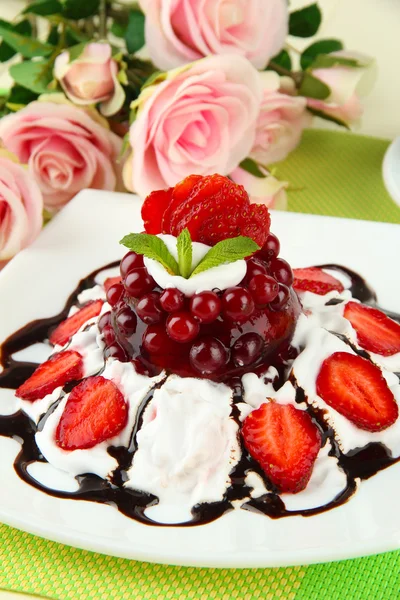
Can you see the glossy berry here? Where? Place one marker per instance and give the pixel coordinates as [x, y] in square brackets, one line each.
[148, 308]
[172, 300]
[206, 306]
[104, 320]
[182, 327]
[281, 271]
[281, 299]
[126, 321]
[138, 282]
[255, 267]
[115, 293]
[208, 355]
[115, 351]
[155, 339]
[264, 289]
[237, 304]
[270, 249]
[247, 349]
[108, 334]
[130, 262]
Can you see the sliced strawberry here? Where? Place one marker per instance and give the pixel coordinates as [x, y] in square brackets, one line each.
[315, 280]
[111, 281]
[285, 442]
[356, 389]
[375, 331]
[57, 371]
[95, 411]
[153, 209]
[181, 196]
[66, 329]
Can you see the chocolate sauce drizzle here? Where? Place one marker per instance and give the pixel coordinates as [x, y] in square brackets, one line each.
[360, 463]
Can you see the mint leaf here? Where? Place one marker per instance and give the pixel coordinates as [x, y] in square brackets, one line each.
[227, 251]
[184, 247]
[152, 247]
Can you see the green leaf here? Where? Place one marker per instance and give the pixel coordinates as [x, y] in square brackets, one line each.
[24, 27]
[73, 37]
[156, 77]
[134, 36]
[21, 95]
[76, 51]
[118, 29]
[331, 118]
[321, 47]
[27, 46]
[184, 247]
[283, 60]
[227, 251]
[152, 247]
[311, 87]
[327, 61]
[80, 9]
[53, 35]
[306, 21]
[249, 165]
[34, 76]
[43, 7]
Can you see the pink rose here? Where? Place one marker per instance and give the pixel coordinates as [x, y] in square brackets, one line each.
[200, 120]
[21, 207]
[65, 148]
[262, 190]
[347, 84]
[180, 31]
[281, 120]
[91, 78]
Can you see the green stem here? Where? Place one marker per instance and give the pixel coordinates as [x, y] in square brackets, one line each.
[103, 19]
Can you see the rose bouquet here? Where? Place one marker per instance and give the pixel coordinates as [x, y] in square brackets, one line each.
[112, 95]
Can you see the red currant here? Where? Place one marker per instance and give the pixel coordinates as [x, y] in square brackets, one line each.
[208, 355]
[255, 267]
[126, 321]
[206, 306]
[130, 262]
[115, 293]
[282, 271]
[104, 320]
[282, 298]
[182, 327]
[138, 282]
[237, 304]
[172, 300]
[148, 308]
[155, 339]
[270, 249]
[247, 349]
[264, 289]
[115, 351]
[108, 334]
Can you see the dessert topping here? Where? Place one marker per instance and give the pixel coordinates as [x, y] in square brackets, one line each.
[66, 329]
[375, 331]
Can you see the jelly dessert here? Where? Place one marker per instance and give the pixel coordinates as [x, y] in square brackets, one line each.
[201, 374]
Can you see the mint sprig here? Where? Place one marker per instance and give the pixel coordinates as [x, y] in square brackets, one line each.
[185, 253]
[227, 251]
[153, 247]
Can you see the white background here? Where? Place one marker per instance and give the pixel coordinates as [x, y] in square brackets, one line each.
[369, 26]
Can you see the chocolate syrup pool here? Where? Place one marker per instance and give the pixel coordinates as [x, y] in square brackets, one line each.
[361, 463]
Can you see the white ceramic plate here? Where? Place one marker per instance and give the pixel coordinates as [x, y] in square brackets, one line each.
[36, 284]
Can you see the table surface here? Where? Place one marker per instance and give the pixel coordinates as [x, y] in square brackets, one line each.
[371, 27]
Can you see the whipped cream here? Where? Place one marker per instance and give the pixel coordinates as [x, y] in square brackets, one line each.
[221, 277]
[187, 447]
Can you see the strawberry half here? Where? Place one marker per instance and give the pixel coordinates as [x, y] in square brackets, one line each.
[111, 281]
[57, 371]
[315, 280]
[153, 209]
[181, 196]
[285, 442]
[95, 411]
[66, 329]
[356, 389]
[375, 331]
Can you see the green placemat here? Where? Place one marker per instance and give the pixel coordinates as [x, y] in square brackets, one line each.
[331, 173]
